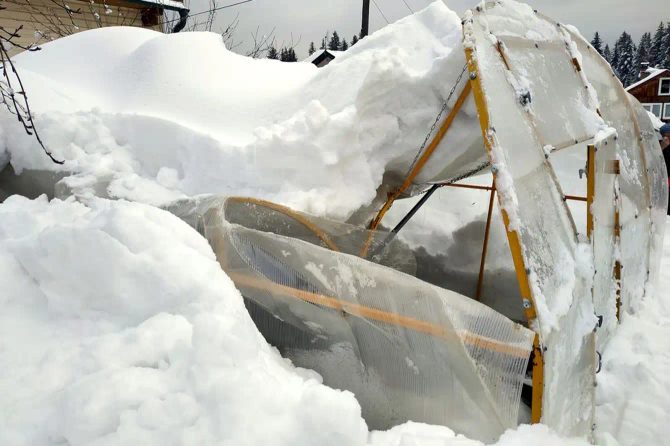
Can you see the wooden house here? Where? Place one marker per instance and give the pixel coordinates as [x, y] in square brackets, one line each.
[653, 92]
[46, 20]
[321, 58]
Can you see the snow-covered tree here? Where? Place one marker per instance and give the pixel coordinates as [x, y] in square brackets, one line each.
[624, 59]
[288, 55]
[597, 43]
[656, 50]
[311, 49]
[666, 47]
[344, 45]
[643, 49]
[607, 53]
[334, 42]
[354, 40]
[273, 53]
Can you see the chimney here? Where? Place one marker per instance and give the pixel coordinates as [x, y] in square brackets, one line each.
[644, 66]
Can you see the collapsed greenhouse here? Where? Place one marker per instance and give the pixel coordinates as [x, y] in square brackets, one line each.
[326, 294]
[345, 299]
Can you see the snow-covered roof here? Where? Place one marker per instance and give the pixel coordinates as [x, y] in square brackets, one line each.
[651, 73]
[312, 57]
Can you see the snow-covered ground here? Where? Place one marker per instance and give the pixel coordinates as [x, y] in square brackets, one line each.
[118, 326]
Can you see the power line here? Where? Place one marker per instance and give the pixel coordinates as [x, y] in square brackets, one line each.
[209, 11]
[380, 11]
[408, 7]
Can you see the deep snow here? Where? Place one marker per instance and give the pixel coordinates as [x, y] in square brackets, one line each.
[108, 336]
[117, 326]
[114, 101]
[100, 296]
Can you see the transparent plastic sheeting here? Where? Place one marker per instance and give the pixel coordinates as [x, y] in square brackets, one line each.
[605, 244]
[514, 73]
[407, 349]
[642, 184]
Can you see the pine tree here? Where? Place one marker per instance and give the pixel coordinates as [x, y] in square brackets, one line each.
[311, 49]
[656, 51]
[354, 40]
[288, 55]
[624, 59]
[642, 54]
[323, 41]
[344, 46]
[597, 43]
[273, 53]
[666, 47]
[607, 53]
[334, 42]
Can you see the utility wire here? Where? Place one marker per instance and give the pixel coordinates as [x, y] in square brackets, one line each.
[380, 11]
[211, 10]
[408, 7]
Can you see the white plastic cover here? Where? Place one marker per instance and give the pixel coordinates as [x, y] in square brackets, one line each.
[642, 184]
[407, 349]
[547, 89]
[526, 71]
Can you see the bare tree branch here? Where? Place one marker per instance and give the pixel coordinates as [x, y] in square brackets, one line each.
[13, 94]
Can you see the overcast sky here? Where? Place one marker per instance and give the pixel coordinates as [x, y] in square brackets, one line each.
[308, 20]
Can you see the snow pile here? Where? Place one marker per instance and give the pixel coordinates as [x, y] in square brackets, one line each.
[152, 117]
[632, 395]
[108, 336]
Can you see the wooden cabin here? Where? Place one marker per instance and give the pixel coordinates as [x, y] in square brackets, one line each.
[653, 92]
[46, 20]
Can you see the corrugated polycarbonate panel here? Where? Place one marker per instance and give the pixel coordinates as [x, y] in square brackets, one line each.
[658, 187]
[407, 349]
[518, 88]
[604, 241]
[526, 58]
[642, 181]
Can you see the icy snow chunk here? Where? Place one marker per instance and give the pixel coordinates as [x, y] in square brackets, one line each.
[117, 326]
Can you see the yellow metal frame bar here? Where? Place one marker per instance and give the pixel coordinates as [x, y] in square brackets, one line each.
[617, 235]
[590, 187]
[292, 214]
[513, 238]
[482, 261]
[418, 325]
[419, 165]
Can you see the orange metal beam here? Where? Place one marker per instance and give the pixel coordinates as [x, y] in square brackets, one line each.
[418, 325]
[482, 262]
[419, 164]
[512, 237]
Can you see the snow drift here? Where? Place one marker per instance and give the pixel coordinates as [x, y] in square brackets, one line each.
[150, 117]
[108, 337]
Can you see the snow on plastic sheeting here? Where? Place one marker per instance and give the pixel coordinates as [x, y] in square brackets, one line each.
[605, 244]
[385, 248]
[407, 349]
[137, 125]
[658, 188]
[642, 181]
[559, 269]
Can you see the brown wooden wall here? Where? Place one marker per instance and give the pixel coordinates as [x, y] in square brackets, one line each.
[46, 20]
[648, 91]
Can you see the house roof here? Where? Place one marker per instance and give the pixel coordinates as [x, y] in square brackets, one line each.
[318, 55]
[652, 73]
[171, 5]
